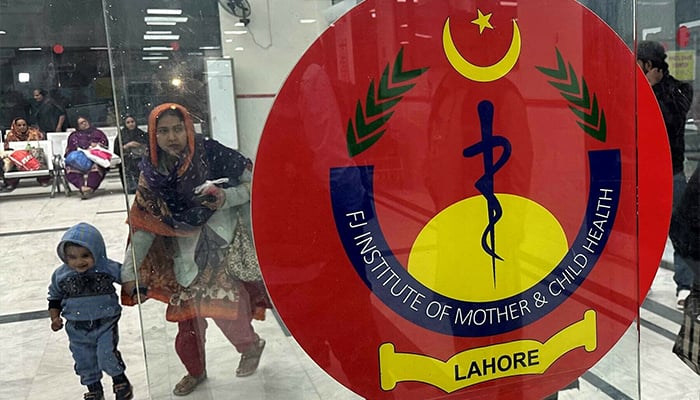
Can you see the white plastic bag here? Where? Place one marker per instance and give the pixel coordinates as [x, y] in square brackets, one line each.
[99, 154]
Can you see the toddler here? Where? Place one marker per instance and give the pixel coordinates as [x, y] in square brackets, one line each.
[82, 291]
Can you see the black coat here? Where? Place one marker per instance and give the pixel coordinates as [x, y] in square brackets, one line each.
[685, 223]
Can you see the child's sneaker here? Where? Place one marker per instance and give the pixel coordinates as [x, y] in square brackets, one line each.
[94, 396]
[123, 391]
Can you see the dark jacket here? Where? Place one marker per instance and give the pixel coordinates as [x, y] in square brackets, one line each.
[675, 98]
[685, 223]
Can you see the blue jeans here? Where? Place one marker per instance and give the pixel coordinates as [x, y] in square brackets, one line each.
[682, 274]
[94, 348]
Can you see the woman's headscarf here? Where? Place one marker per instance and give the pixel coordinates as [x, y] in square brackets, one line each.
[15, 135]
[84, 138]
[165, 200]
[127, 135]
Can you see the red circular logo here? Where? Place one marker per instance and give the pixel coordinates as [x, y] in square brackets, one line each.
[458, 199]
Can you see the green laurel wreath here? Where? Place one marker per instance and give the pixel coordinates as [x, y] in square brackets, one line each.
[369, 121]
[591, 117]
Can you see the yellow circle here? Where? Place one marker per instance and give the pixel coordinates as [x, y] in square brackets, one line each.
[447, 256]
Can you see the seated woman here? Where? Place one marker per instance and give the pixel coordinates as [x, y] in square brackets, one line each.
[193, 198]
[130, 146]
[84, 138]
[20, 131]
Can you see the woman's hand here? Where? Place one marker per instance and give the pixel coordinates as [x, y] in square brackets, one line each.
[129, 288]
[216, 197]
[210, 195]
[56, 324]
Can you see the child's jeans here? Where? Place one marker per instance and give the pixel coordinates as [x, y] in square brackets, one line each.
[94, 348]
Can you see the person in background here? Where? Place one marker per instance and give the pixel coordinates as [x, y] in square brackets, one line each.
[46, 113]
[674, 98]
[130, 146]
[20, 131]
[82, 291]
[86, 137]
[685, 234]
[183, 227]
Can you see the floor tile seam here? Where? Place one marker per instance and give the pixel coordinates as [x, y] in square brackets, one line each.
[34, 231]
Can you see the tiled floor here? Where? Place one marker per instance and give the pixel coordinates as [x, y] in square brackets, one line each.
[36, 364]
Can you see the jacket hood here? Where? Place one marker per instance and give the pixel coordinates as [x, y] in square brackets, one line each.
[86, 235]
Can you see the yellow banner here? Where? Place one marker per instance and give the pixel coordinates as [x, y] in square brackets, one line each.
[681, 64]
[469, 367]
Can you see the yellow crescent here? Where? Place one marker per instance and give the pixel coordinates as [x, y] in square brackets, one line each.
[477, 73]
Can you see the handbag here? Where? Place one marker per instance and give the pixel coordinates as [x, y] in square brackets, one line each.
[40, 156]
[78, 160]
[24, 160]
[241, 261]
[687, 345]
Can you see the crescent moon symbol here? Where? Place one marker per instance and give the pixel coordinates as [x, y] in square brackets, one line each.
[477, 73]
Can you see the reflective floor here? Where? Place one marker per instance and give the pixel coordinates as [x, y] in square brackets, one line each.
[36, 363]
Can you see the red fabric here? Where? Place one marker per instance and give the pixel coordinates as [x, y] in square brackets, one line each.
[191, 335]
[105, 155]
[24, 160]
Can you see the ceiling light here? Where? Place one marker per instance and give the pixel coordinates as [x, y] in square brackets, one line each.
[163, 11]
[209, 48]
[239, 49]
[161, 37]
[3, 33]
[153, 58]
[236, 32]
[159, 32]
[307, 21]
[161, 23]
[23, 77]
[229, 40]
[239, 24]
[177, 82]
[99, 48]
[158, 48]
[165, 19]
[29, 49]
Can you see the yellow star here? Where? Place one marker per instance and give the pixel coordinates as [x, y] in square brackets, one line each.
[483, 21]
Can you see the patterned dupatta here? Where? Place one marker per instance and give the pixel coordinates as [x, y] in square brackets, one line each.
[165, 201]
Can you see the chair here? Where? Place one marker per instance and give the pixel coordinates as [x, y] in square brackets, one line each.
[54, 166]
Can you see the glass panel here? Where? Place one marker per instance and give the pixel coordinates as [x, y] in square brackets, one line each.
[54, 68]
[449, 199]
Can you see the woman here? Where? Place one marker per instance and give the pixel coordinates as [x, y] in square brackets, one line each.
[20, 131]
[130, 147]
[183, 226]
[84, 138]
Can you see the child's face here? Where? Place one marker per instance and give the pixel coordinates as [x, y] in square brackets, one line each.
[79, 258]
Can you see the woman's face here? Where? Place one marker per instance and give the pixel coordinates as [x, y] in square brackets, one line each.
[83, 124]
[171, 135]
[21, 125]
[130, 123]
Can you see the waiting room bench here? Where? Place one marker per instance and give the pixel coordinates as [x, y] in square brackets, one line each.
[54, 163]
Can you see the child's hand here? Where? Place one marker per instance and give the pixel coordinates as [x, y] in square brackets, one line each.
[56, 324]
